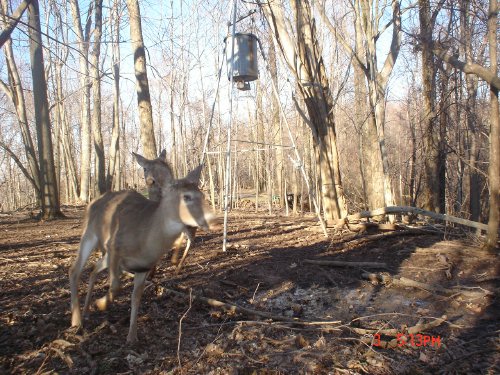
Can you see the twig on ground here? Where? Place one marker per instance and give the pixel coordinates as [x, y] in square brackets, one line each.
[180, 331]
[395, 331]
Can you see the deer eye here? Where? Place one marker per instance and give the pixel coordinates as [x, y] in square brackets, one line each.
[187, 198]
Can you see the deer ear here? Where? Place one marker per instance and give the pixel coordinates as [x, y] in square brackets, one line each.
[195, 174]
[163, 155]
[140, 159]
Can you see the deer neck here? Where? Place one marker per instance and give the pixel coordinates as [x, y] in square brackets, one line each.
[168, 215]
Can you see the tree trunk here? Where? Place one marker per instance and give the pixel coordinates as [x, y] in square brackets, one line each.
[96, 91]
[370, 161]
[377, 80]
[16, 94]
[142, 84]
[365, 125]
[430, 189]
[83, 47]
[473, 136]
[305, 61]
[494, 167]
[275, 121]
[49, 188]
[114, 147]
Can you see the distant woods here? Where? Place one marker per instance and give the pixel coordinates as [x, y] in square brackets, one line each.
[387, 106]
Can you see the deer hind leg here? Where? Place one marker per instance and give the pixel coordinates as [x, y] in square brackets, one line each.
[190, 233]
[139, 280]
[87, 244]
[177, 248]
[100, 266]
[114, 283]
[179, 266]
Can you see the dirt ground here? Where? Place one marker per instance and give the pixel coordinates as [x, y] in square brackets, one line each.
[307, 318]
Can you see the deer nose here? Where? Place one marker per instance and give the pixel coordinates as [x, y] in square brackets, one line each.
[150, 181]
[215, 222]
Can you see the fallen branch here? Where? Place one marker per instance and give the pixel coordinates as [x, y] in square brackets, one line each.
[413, 210]
[243, 310]
[338, 263]
[180, 330]
[405, 282]
[393, 332]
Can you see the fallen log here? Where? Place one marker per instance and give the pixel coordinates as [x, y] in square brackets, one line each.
[405, 282]
[405, 210]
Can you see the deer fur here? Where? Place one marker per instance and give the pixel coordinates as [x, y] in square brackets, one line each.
[134, 232]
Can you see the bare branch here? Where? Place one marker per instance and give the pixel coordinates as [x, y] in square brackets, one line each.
[14, 20]
[470, 68]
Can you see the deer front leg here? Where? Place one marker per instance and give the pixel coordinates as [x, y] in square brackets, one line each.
[179, 266]
[139, 280]
[177, 247]
[189, 233]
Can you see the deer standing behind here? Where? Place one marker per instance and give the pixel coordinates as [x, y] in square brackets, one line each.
[154, 170]
[134, 232]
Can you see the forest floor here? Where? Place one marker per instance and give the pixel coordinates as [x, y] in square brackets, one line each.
[321, 319]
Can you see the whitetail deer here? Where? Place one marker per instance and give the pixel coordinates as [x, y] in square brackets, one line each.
[134, 232]
[154, 170]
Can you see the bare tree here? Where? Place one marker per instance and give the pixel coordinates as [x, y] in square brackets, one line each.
[432, 161]
[275, 121]
[494, 168]
[49, 188]
[369, 151]
[14, 19]
[115, 133]
[370, 15]
[303, 57]
[96, 91]
[142, 84]
[489, 75]
[83, 37]
[14, 91]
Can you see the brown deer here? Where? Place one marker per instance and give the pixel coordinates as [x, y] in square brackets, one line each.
[154, 170]
[134, 232]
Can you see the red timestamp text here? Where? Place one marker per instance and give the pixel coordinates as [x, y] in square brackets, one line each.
[409, 339]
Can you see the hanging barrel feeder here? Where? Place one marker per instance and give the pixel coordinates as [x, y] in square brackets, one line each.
[244, 60]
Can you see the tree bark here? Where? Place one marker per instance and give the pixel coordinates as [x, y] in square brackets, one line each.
[142, 83]
[49, 188]
[15, 92]
[494, 167]
[13, 20]
[369, 153]
[430, 188]
[114, 147]
[305, 61]
[275, 121]
[377, 80]
[96, 91]
[83, 37]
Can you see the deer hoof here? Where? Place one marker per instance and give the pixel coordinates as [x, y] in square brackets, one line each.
[102, 303]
